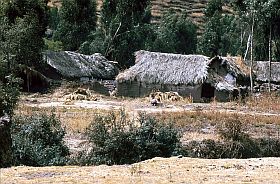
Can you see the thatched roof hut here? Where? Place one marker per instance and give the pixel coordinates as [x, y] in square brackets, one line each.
[74, 65]
[194, 75]
[262, 71]
[163, 68]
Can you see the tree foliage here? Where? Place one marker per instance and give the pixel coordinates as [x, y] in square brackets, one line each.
[28, 20]
[119, 34]
[176, 34]
[38, 141]
[76, 19]
[266, 16]
[221, 34]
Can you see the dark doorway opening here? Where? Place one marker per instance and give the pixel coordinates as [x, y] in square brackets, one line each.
[208, 91]
[33, 83]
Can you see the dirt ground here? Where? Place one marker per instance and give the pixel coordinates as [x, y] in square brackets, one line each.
[157, 171]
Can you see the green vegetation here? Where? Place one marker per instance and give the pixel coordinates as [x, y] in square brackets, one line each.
[123, 30]
[27, 21]
[235, 144]
[76, 19]
[221, 35]
[38, 141]
[176, 34]
[120, 141]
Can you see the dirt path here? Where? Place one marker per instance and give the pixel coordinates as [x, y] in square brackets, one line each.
[157, 171]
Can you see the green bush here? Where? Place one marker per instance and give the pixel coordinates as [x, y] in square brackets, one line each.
[38, 141]
[236, 144]
[269, 147]
[119, 141]
[232, 129]
[9, 94]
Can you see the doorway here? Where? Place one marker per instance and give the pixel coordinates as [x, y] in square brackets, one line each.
[208, 91]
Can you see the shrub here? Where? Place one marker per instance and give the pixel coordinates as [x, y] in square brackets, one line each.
[232, 129]
[119, 141]
[269, 147]
[205, 149]
[236, 144]
[38, 141]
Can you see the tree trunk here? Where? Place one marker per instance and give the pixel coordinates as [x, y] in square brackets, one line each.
[5, 142]
[251, 63]
[269, 58]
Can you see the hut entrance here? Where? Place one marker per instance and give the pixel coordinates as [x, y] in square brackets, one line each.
[33, 82]
[208, 91]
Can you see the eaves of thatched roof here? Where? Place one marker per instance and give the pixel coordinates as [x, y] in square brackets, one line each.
[163, 68]
[262, 71]
[234, 65]
[75, 65]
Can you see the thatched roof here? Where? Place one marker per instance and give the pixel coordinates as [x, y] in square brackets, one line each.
[234, 65]
[163, 68]
[262, 71]
[75, 65]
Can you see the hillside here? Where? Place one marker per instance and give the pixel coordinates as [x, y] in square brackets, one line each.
[194, 8]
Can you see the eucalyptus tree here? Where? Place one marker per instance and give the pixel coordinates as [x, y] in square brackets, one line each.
[176, 34]
[260, 22]
[77, 18]
[123, 29]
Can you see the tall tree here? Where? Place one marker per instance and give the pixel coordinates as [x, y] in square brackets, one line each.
[176, 34]
[123, 30]
[76, 19]
[220, 36]
[31, 18]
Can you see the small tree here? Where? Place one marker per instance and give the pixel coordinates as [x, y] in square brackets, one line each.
[28, 20]
[221, 35]
[38, 141]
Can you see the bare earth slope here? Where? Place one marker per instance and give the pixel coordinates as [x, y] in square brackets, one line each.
[157, 170]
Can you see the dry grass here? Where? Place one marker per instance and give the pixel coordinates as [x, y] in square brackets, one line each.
[75, 120]
[194, 117]
[264, 102]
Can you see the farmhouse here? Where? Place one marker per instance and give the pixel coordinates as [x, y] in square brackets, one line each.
[189, 75]
[72, 65]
